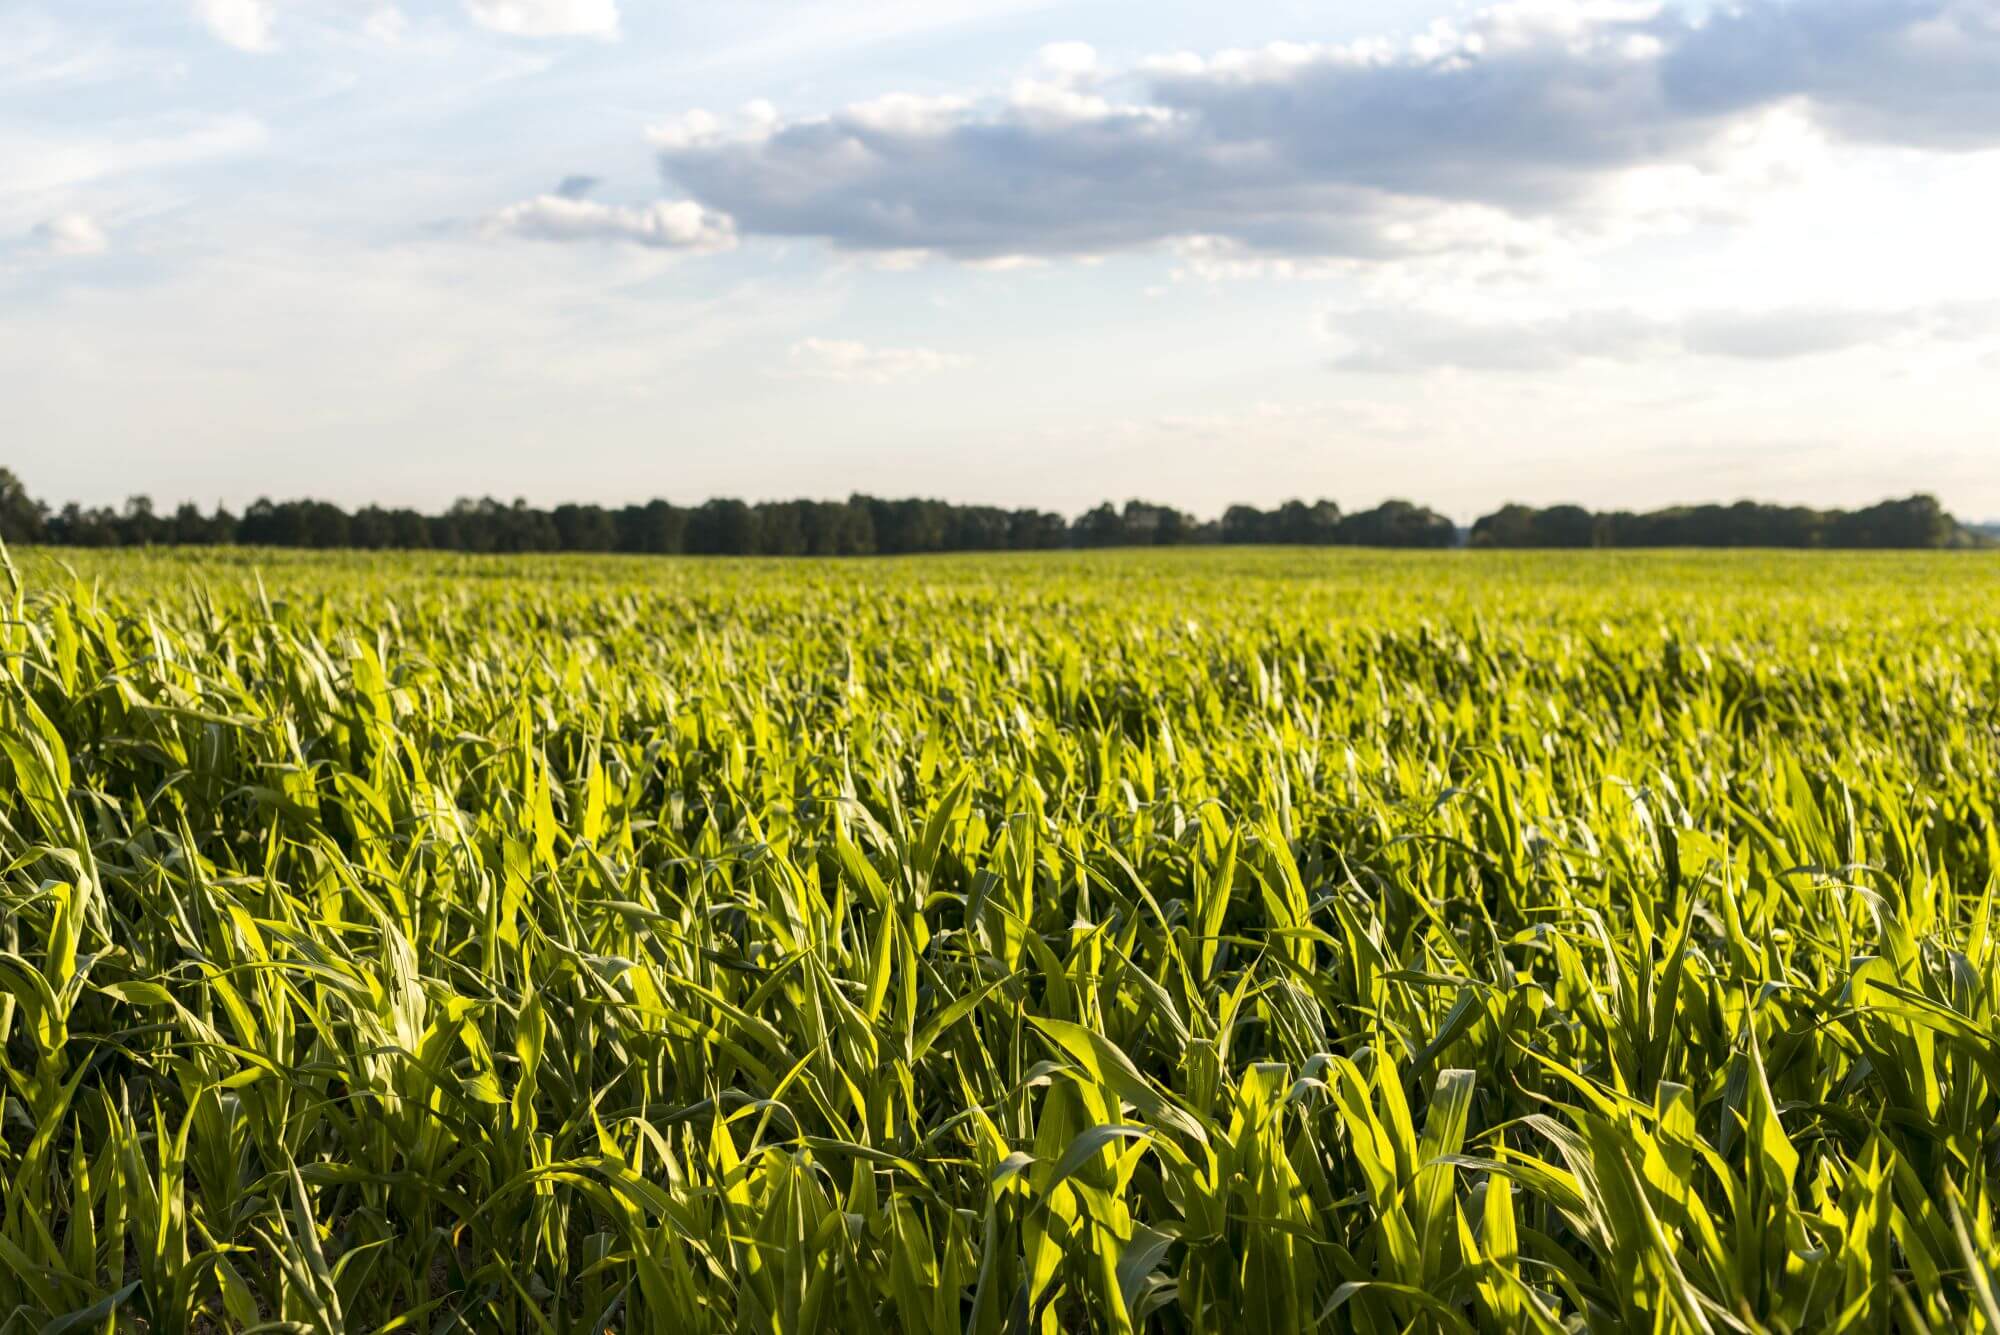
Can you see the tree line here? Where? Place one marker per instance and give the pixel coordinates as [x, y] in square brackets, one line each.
[868, 525]
[1914, 521]
[858, 526]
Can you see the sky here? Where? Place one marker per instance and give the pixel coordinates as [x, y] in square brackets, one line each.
[1008, 251]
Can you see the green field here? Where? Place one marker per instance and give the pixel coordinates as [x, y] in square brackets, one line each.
[1222, 940]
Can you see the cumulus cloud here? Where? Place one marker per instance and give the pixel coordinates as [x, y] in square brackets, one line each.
[72, 234]
[851, 362]
[1922, 73]
[568, 216]
[1402, 340]
[1072, 60]
[244, 24]
[547, 18]
[1529, 111]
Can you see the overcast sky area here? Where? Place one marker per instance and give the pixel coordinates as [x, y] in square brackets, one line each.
[1000, 250]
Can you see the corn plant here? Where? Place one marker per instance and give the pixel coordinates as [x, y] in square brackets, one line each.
[1239, 940]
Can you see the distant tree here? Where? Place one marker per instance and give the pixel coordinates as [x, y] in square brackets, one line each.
[1036, 530]
[977, 528]
[1247, 524]
[370, 528]
[908, 526]
[864, 524]
[78, 527]
[1509, 526]
[321, 524]
[1566, 526]
[189, 527]
[524, 528]
[1149, 525]
[472, 525]
[1102, 527]
[22, 517]
[1398, 524]
[723, 527]
[655, 527]
[585, 528]
[1306, 525]
[375, 528]
[138, 526]
[854, 528]
[1915, 521]
[269, 523]
[823, 525]
[781, 528]
[408, 528]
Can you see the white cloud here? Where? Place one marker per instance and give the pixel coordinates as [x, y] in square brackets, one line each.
[244, 24]
[694, 127]
[1528, 116]
[38, 53]
[908, 115]
[1069, 60]
[547, 18]
[851, 362]
[72, 234]
[678, 225]
[1385, 339]
[387, 23]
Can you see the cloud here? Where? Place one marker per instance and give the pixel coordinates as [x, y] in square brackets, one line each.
[386, 23]
[39, 53]
[1073, 60]
[567, 216]
[1403, 340]
[1920, 73]
[547, 18]
[850, 362]
[1784, 334]
[1391, 340]
[1524, 112]
[244, 24]
[72, 234]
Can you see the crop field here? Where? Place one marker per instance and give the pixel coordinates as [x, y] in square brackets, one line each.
[1221, 940]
